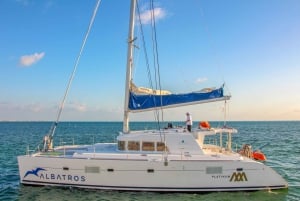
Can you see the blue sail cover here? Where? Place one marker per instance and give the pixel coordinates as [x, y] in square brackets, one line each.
[147, 102]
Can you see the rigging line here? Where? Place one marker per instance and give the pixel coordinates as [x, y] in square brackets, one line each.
[145, 51]
[156, 111]
[156, 60]
[152, 12]
[144, 45]
[153, 42]
[52, 131]
[156, 49]
[156, 70]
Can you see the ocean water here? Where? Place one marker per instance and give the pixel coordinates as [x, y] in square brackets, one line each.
[280, 142]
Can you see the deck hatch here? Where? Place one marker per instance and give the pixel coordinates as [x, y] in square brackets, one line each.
[92, 169]
[214, 170]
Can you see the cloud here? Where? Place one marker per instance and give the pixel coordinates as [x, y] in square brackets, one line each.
[297, 110]
[28, 60]
[34, 107]
[159, 13]
[80, 107]
[201, 80]
[30, 107]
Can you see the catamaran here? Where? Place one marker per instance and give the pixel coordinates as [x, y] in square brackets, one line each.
[166, 159]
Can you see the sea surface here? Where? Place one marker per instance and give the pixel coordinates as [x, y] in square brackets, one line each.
[280, 141]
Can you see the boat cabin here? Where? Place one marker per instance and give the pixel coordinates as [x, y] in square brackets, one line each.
[173, 140]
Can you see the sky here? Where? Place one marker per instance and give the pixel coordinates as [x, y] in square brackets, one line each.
[251, 46]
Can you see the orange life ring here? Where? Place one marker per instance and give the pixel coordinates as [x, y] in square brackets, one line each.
[204, 125]
[257, 155]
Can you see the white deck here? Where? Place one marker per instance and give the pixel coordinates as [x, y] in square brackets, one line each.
[181, 146]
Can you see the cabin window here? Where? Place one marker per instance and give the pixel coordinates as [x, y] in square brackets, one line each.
[160, 146]
[133, 145]
[214, 170]
[121, 145]
[148, 146]
[92, 169]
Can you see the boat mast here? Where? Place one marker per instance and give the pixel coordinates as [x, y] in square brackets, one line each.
[129, 66]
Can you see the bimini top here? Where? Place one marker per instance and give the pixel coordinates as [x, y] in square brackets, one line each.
[142, 102]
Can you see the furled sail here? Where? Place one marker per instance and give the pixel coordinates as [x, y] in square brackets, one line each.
[144, 102]
[144, 90]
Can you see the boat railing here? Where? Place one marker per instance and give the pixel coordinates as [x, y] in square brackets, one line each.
[29, 151]
[215, 148]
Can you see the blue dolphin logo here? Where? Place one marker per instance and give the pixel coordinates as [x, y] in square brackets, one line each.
[34, 172]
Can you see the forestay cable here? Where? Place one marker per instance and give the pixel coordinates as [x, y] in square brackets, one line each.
[48, 142]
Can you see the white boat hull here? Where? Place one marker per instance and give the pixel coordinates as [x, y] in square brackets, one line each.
[149, 175]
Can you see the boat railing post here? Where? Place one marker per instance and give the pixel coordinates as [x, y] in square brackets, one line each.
[63, 144]
[181, 151]
[229, 141]
[165, 160]
[94, 145]
[27, 151]
[221, 141]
